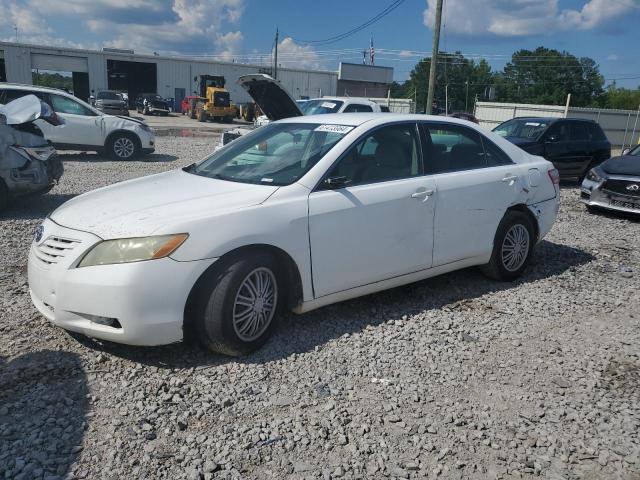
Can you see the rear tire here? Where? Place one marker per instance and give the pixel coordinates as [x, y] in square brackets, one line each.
[512, 247]
[202, 116]
[123, 146]
[238, 304]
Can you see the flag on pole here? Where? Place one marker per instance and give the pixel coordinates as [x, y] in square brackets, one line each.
[364, 57]
[372, 52]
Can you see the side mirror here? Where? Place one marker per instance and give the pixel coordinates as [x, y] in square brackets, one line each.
[334, 183]
[626, 151]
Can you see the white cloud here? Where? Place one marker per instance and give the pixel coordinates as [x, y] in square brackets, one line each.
[291, 54]
[524, 17]
[175, 26]
[613, 57]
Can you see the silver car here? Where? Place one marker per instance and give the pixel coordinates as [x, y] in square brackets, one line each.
[111, 103]
[614, 184]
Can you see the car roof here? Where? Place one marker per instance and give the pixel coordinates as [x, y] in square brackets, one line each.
[345, 99]
[24, 86]
[554, 119]
[356, 119]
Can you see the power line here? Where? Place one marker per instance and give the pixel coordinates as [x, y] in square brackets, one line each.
[326, 41]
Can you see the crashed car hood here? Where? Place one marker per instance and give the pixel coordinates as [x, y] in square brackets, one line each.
[142, 206]
[624, 165]
[269, 94]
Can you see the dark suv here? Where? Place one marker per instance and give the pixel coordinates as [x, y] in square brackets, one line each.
[574, 145]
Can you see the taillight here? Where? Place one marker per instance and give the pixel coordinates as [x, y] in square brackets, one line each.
[554, 176]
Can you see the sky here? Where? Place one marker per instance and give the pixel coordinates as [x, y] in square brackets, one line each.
[244, 30]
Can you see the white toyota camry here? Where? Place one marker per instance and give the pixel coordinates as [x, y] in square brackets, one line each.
[296, 215]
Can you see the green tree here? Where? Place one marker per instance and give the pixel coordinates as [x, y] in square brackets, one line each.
[621, 98]
[53, 80]
[546, 76]
[458, 78]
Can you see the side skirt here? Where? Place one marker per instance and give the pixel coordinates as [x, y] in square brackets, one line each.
[389, 283]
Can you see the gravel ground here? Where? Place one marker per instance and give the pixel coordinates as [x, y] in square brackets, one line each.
[454, 377]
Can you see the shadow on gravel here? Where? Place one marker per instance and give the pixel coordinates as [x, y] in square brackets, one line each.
[35, 207]
[43, 407]
[304, 333]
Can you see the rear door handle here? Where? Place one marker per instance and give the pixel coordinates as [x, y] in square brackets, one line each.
[510, 178]
[422, 193]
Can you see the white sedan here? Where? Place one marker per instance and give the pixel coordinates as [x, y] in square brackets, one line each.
[302, 213]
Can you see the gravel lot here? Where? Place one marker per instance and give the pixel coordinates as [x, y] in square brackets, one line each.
[456, 377]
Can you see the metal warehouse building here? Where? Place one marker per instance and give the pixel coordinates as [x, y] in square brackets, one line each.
[170, 77]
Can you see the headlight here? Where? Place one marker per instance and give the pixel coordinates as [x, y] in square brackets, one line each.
[593, 175]
[126, 250]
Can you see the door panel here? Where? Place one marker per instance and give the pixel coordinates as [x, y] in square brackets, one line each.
[368, 233]
[469, 207]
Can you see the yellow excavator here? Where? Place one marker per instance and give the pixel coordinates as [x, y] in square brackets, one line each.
[216, 103]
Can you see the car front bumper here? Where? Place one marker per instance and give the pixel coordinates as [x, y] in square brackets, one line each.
[138, 303]
[594, 194]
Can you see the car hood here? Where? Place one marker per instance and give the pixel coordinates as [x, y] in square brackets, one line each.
[623, 165]
[145, 205]
[269, 94]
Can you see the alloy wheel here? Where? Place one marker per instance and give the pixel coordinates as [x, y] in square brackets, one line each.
[124, 147]
[515, 247]
[255, 304]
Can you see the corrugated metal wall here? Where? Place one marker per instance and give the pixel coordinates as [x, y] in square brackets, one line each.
[172, 73]
[622, 127]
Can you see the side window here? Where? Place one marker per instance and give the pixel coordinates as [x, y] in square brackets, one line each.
[578, 132]
[451, 148]
[389, 153]
[558, 132]
[494, 154]
[354, 107]
[62, 104]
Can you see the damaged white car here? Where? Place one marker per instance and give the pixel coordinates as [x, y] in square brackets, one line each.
[28, 164]
[86, 128]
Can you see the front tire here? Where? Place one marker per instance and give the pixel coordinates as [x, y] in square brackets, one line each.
[512, 247]
[123, 146]
[239, 303]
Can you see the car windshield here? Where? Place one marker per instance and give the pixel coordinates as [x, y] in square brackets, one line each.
[108, 96]
[522, 128]
[317, 107]
[635, 151]
[276, 154]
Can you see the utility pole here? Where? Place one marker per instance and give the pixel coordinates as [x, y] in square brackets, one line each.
[275, 58]
[434, 56]
[15, 27]
[466, 96]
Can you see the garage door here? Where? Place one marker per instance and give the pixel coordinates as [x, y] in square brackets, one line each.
[59, 63]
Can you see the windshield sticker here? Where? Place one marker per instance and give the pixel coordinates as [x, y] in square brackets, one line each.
[343, 129]
[328, 105]
[532, 124]
[267, 180]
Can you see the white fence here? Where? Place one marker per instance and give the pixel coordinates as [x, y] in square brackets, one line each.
[622, 127]
[396, 105]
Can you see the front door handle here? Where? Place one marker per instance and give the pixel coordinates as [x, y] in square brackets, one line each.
[422, 193]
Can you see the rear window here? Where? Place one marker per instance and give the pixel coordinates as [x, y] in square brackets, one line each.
[9, 95]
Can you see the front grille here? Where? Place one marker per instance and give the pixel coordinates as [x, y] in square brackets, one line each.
[620, 187]
[54, 249]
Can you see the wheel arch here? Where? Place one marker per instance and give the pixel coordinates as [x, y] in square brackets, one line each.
[293, 280]
[130, 133]
[521, 207]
